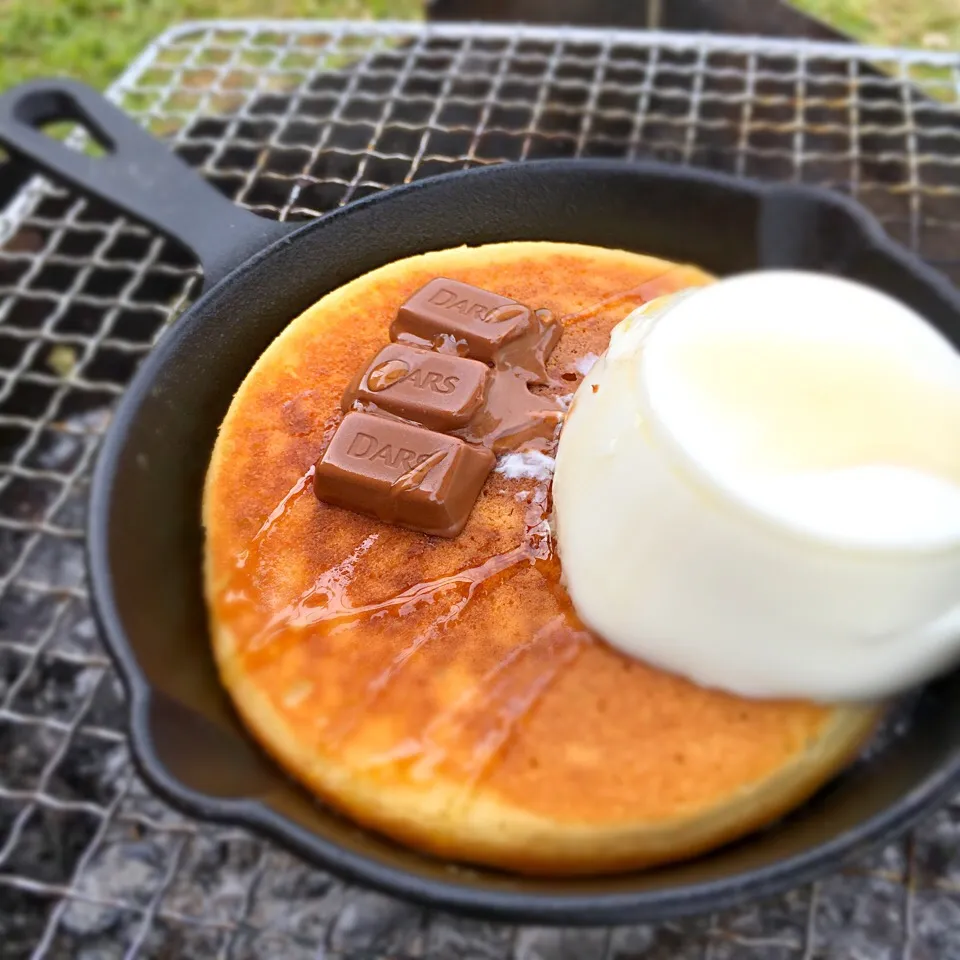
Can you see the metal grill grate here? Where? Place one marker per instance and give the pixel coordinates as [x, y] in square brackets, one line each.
[293, 119]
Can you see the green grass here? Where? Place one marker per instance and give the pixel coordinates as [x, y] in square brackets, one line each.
[94, 39]
[933, 24]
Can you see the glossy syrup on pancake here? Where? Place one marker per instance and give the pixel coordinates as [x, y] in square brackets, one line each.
[444, 692]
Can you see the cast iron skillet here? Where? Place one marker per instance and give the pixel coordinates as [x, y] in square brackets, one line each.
[144, 537]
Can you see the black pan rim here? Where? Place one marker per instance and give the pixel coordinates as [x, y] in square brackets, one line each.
[452, 894]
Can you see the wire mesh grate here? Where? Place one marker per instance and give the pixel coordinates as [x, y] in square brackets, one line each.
[293, 120]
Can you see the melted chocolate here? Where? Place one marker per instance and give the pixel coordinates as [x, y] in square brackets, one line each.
[438, 376]
[402, 474]
[440, 391]
[485, 321]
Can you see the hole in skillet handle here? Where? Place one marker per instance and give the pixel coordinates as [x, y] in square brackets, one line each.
[76, 137]
[133, 172]
[61, 118]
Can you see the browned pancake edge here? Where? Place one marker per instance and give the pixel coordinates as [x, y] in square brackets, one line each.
[473, 718]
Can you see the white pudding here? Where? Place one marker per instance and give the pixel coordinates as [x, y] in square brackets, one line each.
[758, 486]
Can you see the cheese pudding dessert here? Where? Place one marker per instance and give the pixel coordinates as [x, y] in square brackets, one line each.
[439, 686]
[790, 445]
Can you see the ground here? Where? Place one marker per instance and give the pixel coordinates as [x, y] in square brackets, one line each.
[94, 39]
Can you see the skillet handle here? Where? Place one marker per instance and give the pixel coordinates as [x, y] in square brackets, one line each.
[136, 173]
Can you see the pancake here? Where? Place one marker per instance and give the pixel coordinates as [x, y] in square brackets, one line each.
[442, 691]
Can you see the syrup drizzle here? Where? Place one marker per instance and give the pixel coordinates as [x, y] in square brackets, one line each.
[650, 289]
[289, 498]
[296, 414]
[325, 600]
[465, 585]
[240, 589]
[490, 713]
[302, 484]
[504, 696]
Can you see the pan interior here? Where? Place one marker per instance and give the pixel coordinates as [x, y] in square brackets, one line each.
[145, 545]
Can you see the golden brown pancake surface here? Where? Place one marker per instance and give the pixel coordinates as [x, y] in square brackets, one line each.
[443, 691]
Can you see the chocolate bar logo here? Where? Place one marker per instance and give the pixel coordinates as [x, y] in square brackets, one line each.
[452, 301]
[431, 380]
[365, 446]
[391, 372]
